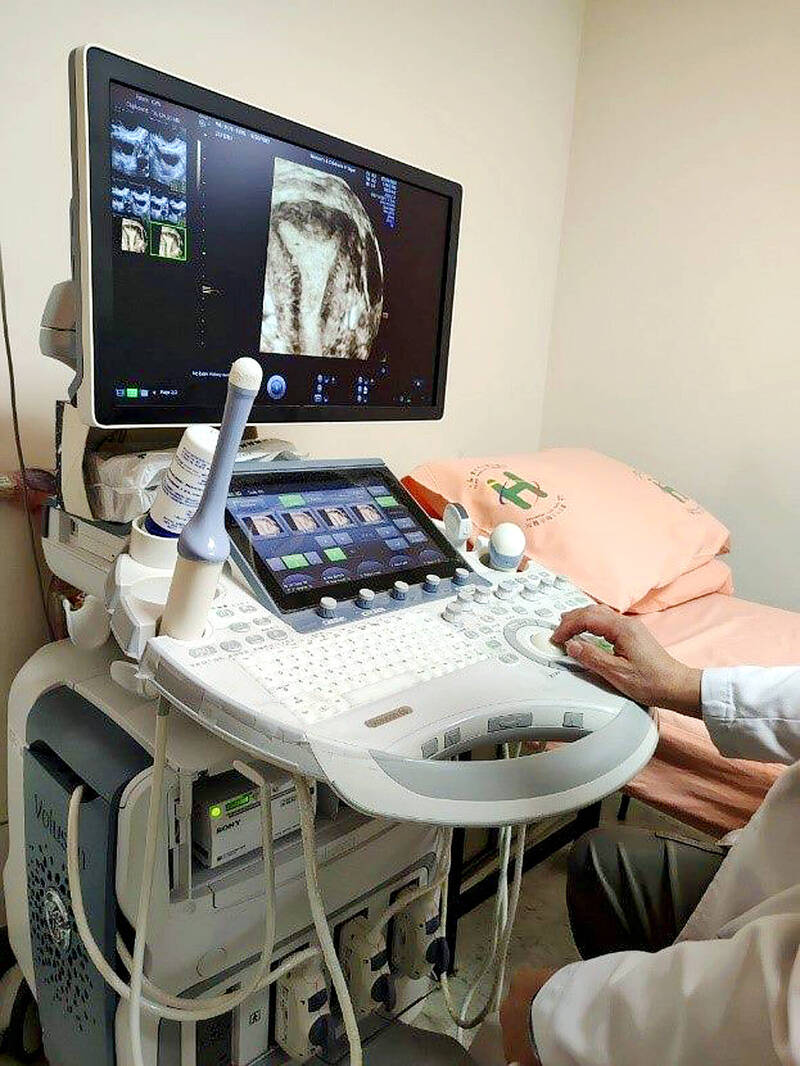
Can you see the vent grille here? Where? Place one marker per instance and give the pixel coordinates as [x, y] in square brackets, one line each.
[61, 960]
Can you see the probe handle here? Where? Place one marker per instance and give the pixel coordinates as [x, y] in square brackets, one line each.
[204, 546]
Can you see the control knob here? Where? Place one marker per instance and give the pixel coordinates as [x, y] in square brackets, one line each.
[365, 598]
[506, 589]
[466, 595]
[431, 583]
[453, 612]
[400, 590]
[327, 607]
[461, 576]
[482, 595]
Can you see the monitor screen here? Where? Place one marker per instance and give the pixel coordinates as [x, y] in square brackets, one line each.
[332, 532]
[219, 230]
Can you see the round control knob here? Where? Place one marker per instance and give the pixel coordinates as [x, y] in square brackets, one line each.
[400, 590]
[532, 584]
[327, 607]
[461, 576]
[431, 583]
[482, 595]
[506, 589]
[438, 955]
[365, 598]
[466, 595]
[322, 1033]
[384, 991]
[561, 582]
[453, 612]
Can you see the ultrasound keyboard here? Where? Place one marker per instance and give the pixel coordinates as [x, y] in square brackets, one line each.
[317, 676]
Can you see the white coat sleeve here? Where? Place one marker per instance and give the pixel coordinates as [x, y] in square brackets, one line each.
[753, 712]
[734, 1001]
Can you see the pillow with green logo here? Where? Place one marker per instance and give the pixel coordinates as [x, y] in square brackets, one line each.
[614, 531]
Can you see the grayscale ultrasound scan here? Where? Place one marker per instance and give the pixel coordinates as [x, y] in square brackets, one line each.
[171, 243]
[323, 287]
[130, 152]
[133, 236]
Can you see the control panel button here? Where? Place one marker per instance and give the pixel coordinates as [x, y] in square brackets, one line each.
[365, 598]
[506, 589]
[431, 583]
[327, 607]
[482, 595]
[400, 590]
[466, 595]
[461, 576]
[561, 582]
[454, 612]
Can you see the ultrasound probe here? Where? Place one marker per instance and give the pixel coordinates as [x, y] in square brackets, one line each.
[203, 546]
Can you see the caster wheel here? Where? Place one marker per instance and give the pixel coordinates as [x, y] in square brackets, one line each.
[23, 1038]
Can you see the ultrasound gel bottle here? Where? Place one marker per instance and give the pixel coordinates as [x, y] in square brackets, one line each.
[178, 496]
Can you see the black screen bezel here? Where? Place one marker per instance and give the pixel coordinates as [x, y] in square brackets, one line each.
[102, 68]
[345, 590]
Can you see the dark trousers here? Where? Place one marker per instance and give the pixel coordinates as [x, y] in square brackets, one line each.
[630, 888]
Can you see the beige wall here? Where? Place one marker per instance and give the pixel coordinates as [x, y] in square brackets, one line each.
[676, 333]
[480, 93]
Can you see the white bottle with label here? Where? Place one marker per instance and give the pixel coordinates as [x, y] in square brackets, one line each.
[178, 495]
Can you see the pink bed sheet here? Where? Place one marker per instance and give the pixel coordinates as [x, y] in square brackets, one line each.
[687, 776]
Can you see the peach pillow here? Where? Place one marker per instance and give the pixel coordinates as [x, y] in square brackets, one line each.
[713, 576]
[614, 531]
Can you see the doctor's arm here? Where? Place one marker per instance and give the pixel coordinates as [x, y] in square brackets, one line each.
[751, 712]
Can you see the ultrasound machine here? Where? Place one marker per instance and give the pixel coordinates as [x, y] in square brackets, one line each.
[232, 795]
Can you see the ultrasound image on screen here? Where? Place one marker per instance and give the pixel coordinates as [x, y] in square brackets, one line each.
[133, 236]
[332, 275]
[263, 525]
[323, 288]
[130, 149]
[167, 149]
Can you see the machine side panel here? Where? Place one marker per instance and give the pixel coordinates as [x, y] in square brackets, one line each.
[70, 742]
[76, 1007]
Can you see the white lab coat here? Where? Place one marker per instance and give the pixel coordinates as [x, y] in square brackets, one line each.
[728, 991]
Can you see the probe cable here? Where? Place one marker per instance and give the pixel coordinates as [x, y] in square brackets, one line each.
[411, 895]
[156, 1001]
[321, 921]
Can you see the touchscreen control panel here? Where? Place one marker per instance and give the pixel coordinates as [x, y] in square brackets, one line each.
[337, 540]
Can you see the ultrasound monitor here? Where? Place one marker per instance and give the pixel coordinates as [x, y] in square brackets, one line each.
[205, 229]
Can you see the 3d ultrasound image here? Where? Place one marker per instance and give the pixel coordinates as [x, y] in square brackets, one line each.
[130, 149]
[168, 159]
[133, 236]
[323, 286]
[171, 243]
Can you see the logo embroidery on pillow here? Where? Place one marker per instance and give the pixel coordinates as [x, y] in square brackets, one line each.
[513, 490]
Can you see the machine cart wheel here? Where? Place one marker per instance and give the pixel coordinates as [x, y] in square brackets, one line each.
[19, 1018]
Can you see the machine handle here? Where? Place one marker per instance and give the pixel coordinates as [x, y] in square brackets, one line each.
[504, 792]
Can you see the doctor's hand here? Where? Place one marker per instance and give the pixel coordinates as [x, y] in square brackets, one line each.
[637, 666]
[515, 1014]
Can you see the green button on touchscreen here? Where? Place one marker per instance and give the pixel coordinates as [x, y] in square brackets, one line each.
[294, 562]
